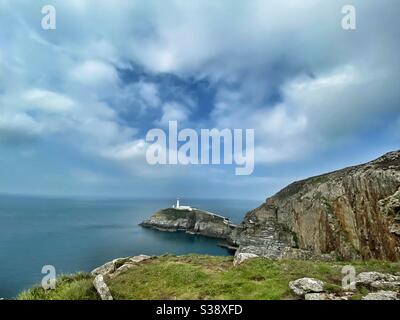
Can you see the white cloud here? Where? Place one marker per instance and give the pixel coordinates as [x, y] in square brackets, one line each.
[130, 151]
[14, 126]
[173, 111]
[95, 74]
[315, 113]
[148, 92]
[47, 101]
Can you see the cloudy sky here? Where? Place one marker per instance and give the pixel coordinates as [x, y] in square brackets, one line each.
[76, 102]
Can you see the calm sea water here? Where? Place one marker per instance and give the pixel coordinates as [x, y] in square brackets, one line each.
[81, 234]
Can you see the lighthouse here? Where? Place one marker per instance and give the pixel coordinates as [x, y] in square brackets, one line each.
[177, 206]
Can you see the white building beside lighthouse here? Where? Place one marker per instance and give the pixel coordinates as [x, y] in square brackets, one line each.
[177, 206]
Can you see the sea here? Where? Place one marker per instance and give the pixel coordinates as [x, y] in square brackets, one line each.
[79, 234]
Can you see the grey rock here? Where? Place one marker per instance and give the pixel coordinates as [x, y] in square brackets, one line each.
[112, 266]
[381, 295]
[316, 296]
[267, 252]
[104, 269]
[302, 286]
[139, 258]
[386, 285]
[102, 288]
[377, 280]
[109, 267]
[328, 296]
[241, 257]
[123, 268]
[277, 252]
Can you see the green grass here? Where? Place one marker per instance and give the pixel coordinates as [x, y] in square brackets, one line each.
[210, 277]
[68, 287]
[204, 277]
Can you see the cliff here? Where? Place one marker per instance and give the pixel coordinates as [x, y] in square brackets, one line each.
[191, 221]
[353, 213]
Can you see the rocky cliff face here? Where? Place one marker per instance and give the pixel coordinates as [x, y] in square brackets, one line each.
[352, 213]
[191, 221]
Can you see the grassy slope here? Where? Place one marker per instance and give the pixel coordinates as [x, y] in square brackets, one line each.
[69, 287]
[209, 277]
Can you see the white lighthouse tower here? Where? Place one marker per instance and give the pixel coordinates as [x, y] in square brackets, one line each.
[177, 206]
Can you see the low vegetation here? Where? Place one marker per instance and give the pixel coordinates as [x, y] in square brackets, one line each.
[208, 277]
[69, 287]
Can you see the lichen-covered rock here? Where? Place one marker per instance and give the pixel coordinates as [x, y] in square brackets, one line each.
[129, 263]
[280, 253]
[369, 277]
[316, 296]
[377, 280]
[351, 213]
[104, 269]
[109, 267]
[241, 257]
[328, 296]
[301, 287]
[102, 288]
[191, 221]
[112, 266]
[139, 258]
[386, 285]
[381, 295]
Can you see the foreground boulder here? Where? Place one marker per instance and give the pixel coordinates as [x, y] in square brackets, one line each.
[353, 213]
[118, 265]
[377, 280]
[303, 286]
[101, 288]
[381, 295]
[328, 296]
[241, 257]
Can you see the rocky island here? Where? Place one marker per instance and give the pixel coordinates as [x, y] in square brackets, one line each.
[190, 220]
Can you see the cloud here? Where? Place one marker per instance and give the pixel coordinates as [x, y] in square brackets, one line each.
[148, 92]
[130, 151]
[93, 73]
[313, 113]
[18, 127]
[173, 111]
[47, 101]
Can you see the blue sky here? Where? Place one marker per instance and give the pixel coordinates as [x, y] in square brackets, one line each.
[76, 102]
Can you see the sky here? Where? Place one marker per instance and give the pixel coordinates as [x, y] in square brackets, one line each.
[76, 102]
